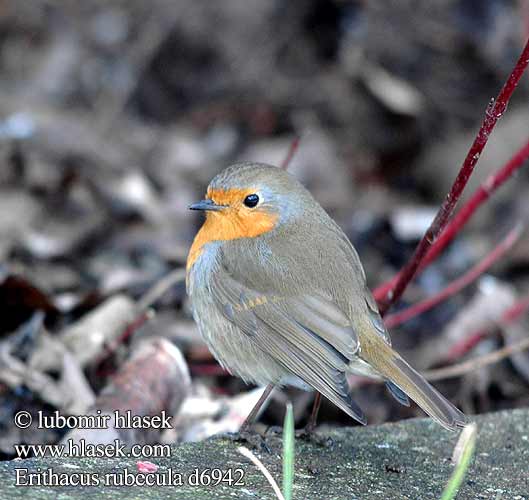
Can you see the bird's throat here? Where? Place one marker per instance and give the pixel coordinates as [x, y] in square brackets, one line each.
[229, 225]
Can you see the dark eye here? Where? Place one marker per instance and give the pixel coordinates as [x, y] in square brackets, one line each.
[251, 200]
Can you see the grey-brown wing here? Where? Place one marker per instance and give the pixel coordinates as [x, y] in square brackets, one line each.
[380, 328]
[307, 334]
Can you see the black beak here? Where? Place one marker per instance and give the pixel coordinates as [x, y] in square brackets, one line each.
[206, 205]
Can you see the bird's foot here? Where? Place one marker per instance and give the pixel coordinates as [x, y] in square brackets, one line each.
[249, 437]
[309, 434]
[273, 430]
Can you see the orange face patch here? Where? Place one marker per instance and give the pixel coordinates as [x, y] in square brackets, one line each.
[231, 197]
[234, 222]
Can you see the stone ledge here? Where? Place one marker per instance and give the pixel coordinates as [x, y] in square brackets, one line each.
[407, 460]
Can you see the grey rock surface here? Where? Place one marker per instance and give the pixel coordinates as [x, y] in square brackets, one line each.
[407, 460]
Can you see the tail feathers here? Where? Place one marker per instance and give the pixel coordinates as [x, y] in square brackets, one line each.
[392, 367]
[341, 397]
[349, 406]
[397, 393]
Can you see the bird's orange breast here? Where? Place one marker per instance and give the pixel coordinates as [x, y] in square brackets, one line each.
[234, 222]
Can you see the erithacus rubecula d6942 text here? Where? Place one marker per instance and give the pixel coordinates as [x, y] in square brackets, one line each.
[280, 295]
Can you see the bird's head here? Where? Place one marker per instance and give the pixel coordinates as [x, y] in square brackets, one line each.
[247, 200]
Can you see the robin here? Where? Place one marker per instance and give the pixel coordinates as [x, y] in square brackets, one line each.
[280, 296]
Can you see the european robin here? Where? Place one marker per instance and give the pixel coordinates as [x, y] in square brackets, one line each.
[280, 295]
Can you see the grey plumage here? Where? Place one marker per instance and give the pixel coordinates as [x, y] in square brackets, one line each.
[292, 303]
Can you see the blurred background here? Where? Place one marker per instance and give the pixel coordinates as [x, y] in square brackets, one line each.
[114, 116]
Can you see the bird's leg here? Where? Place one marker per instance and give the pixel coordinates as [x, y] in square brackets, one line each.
[308, 431]
[313, 419]
[245, 427]
[245, 431]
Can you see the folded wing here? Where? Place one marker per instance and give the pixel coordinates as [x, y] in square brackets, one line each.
[307, 334]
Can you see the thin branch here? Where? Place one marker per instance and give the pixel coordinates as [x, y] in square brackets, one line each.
[160, 288]
[515, 311]
[480, 196]
[134, 325]
[457, 285]
[494, 111]
[143, 308]
[477, 363]
[294, 145]
[459, 349]
[208, 370]
[510, 315]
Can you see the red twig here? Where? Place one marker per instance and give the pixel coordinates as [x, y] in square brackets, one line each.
[480, 196]
[137, 323]
[457, 285]
[459, 349]
[208, 370]
[474, 364]
[515, 311]
[510, 315]
[494, 111]
[294, 145]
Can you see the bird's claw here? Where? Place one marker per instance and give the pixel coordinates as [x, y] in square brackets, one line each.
[252, 438]
[308, 434]
[273, 430]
